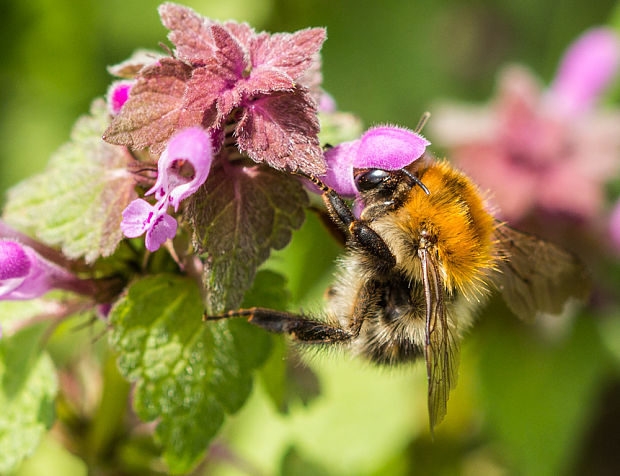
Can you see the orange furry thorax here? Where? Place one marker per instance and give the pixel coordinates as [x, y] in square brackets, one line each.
[456, 226]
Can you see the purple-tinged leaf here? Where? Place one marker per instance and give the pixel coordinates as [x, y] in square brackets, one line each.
[312, 80]
[152, 113]
[292, 53]
[265, 80]
[130, 68]
[237, 217]
[189, 32]
[242, 32]
[201, 97]
[281, 130]
[230, 64]
[229, 54]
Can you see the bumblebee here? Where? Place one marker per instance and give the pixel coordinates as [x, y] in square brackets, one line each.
[421, 259]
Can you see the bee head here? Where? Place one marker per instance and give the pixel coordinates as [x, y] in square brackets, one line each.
[371, 179]
[383, 190]
[385, 182]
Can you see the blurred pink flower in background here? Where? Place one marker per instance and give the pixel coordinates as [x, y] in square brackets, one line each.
[614, 226]
[542, 150]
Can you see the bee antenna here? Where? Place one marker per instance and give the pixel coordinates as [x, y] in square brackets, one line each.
[417, 181]
[422, 122]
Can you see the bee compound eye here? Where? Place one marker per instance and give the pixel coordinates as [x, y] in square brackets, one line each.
[370, 178]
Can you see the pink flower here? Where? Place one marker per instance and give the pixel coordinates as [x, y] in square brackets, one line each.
[382, 147]
[118, 93]
[141, 217]
[25, 274]
[588, 67]
[542, 151]
[182, 169]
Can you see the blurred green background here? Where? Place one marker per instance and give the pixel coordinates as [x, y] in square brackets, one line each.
[529, 400]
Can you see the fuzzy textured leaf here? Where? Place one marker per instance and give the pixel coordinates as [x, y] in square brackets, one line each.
[188, 374]
[189, 32]
[237, 217]
[292, 53]
[281, 129]
[130, 68]
[153, 111]
[77, 202]
[28, 389]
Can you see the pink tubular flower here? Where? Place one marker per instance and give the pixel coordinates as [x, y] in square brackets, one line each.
[141, 217]
[182, 169]
[25, 274]
[542, 151]
[118, 93]
[383, 147]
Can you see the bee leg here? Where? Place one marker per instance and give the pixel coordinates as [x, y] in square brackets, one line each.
[360, 233]
[298, 327]
[338, 210]
[370, 241]
[307, 330]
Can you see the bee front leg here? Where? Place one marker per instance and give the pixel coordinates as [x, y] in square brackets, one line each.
[360, 233]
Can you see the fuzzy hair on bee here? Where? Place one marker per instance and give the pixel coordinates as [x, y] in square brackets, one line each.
[419, 262]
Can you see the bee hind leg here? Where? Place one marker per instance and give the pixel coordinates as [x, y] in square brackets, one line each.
[297, 326]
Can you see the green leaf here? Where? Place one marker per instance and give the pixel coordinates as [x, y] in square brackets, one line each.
[188, 373]
[238, 216]
[269, 290]
[28, 389]
[77, 202]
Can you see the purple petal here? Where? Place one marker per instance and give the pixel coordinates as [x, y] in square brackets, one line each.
[27, 275]
[164, 228]
[339, 174]
[588, 67]
[137, 218]
[389, 148]
[14, 262]
[189, 147]
[14, 267]
[118, 93]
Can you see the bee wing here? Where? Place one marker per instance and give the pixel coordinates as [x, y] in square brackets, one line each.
[537, 276]
[441, 349]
